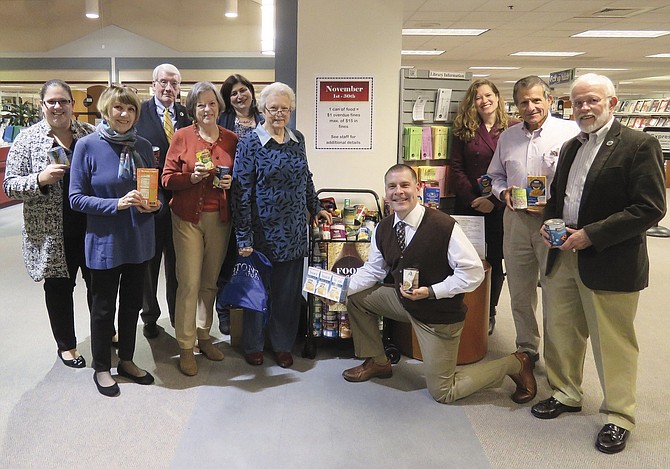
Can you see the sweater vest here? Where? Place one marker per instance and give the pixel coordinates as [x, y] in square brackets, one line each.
[428, 253]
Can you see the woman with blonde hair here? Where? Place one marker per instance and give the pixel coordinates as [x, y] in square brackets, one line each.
[480, 120]
[119, 238]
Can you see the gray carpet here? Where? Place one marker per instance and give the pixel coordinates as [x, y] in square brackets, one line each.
[232, 415]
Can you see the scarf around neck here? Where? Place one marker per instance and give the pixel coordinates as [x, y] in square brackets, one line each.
[129, 159]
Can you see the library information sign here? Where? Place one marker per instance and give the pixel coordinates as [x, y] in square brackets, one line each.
[343, 113]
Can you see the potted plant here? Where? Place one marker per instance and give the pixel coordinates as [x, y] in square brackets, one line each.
[21, 114]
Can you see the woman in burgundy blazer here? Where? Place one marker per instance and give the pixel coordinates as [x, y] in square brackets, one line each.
[480, 120]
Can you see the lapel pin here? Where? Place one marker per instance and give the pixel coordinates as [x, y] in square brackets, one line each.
[609, 143]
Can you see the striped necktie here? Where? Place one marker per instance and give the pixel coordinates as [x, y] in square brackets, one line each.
[400, 234]
[167, 125]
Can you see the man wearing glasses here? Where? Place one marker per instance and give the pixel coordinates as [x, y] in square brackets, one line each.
[160, 116]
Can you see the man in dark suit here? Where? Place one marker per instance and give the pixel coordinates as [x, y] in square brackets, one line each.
[609, 188]
[157, 127]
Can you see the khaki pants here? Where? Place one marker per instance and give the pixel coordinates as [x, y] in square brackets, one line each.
[525, 262]
[438, 342]
[200, 250]
[575, 313]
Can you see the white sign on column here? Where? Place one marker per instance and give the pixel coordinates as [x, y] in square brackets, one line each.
[343, 113]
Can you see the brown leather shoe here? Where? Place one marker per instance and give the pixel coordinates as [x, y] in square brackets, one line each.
[526, 387]
[254, 358]
[187, 363]
[284, 359]
[369, 369]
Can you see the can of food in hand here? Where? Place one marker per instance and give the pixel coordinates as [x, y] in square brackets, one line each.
[157, 155]
[221, 171]
[519, 198]
[555, 228]
[410, 279]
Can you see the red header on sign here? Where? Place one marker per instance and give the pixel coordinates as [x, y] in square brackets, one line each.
[344, 91]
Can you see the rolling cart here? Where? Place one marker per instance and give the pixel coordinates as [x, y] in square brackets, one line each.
[331, 323]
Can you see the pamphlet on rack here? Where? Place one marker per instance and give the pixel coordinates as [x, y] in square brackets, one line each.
[473, 227]
[419, 109]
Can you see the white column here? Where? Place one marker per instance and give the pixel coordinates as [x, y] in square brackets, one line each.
[351, 38]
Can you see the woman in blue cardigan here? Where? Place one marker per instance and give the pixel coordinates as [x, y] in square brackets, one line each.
[119, 230]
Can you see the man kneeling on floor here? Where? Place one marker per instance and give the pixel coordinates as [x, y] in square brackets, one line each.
[448, 265]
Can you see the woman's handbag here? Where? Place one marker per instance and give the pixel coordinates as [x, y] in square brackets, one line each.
[249, 285]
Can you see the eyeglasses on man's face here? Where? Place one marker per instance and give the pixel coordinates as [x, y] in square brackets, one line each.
[165, 83]
[277, 110]
[61, 102]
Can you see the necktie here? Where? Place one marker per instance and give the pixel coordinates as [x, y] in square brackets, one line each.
[167, 125]
[400, 234]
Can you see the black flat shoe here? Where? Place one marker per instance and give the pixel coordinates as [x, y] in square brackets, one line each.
[146, 379]
[552, 408]
[151, 330]
[612, 439]
[109, 391]
[79, 362]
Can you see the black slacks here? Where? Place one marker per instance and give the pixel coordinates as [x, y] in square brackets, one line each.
[126, 281]
[58, 294]
[151, 310]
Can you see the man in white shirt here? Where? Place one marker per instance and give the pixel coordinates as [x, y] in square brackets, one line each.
[527, 149]
[609, 189]
[433, 243]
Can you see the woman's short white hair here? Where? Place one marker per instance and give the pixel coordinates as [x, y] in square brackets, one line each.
[595, 79]
[276, 88]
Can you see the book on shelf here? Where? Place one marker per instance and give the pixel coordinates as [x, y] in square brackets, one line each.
[646, 105]
[663, 106]
[621, 107]
[654, 105]
[631, 106]
[638, 105]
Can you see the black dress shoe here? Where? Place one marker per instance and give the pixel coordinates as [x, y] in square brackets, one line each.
[612, 439]
[552, 408]
[79, 362]
[150, 330]
[146, 379]
[109, 391]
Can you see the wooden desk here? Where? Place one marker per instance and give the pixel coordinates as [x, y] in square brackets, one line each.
[475, 336]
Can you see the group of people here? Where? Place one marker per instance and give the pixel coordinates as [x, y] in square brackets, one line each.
[605, 181]
[85, 213]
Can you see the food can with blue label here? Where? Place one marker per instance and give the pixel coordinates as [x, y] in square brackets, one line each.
[555, 228]
[221, 171]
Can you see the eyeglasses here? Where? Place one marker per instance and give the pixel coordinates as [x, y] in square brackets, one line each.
[52, 102]
[274, 110]
[165, 83]
[594, 101]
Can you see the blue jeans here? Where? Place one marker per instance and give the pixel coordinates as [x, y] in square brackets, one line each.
[285, 302]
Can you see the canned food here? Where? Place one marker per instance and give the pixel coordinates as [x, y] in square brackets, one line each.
[221, 171]
[324, 231]
[519, 198]
[555, 228]
[338, 232]
[410, 279]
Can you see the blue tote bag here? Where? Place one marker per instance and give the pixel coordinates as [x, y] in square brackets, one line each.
[249, 284]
